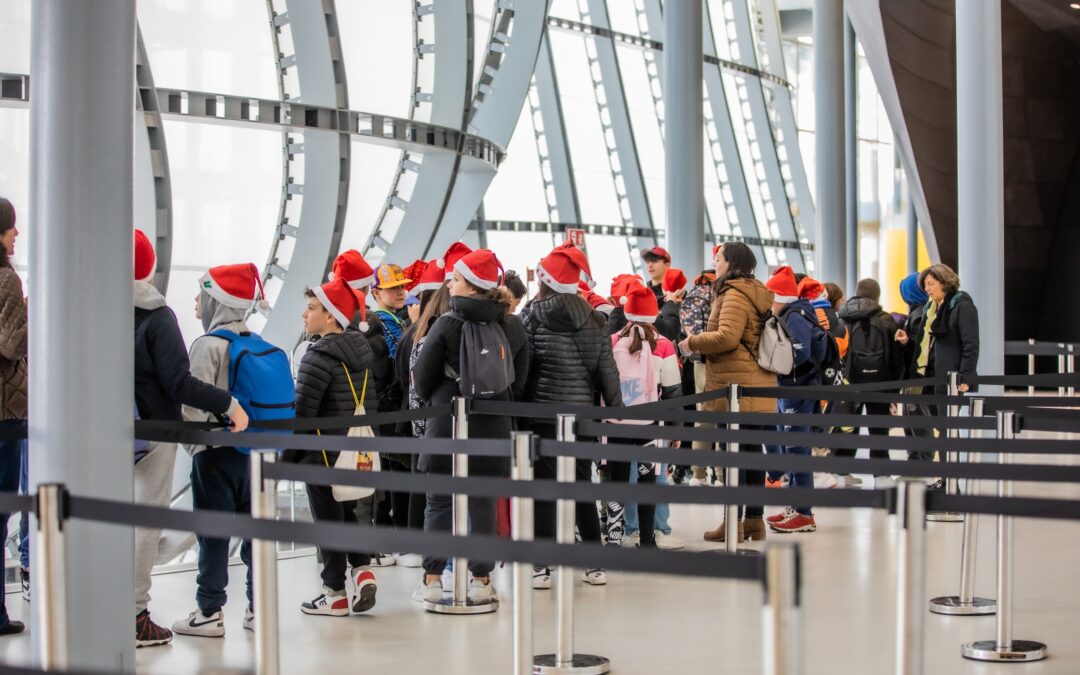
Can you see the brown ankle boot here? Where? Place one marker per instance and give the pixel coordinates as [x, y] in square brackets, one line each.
[753, 529]
[719, 534]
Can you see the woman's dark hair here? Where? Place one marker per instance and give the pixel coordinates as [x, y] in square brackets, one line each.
[651, 335]
[944, 275]
[7, 221]
[740, 259]
[499, 294]
[835, 293]
[432, 307]
[799, 276]
[598, 318]
[513, 283]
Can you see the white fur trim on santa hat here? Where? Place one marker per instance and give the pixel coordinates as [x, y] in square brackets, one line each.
[548, 280]
[461, 268]
[785, 299]
[640, 319]
[320, 294]
[427, 286]
[605, 308]
[361, 284]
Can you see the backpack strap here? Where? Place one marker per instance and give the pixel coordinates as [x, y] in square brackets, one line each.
[363, 395]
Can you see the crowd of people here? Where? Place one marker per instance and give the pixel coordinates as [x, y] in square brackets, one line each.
[395, 338]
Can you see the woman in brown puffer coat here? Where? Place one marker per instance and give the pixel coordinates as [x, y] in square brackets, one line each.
[729, 344]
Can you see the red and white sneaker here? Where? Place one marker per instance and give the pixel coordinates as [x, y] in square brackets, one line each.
[782, 516]
[327, 605]
[364, 597]
[796, 523]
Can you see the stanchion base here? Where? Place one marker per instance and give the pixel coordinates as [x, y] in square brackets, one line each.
[448, 606]
[747, 552]
[944, 517]
[987, 650]
[951, 605]
[583, 664]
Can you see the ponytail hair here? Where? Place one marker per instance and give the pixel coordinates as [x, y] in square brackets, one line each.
[641, 332]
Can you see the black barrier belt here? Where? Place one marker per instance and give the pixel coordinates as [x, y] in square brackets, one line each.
[850, 395]
[548, 490]
[1045, 380]
[484, 447]
[1022, 507]
[841, 465]
[1021, 405]
[835, 441]
[342, 536]
[11, 502]
[308, 423]
[647, 411]
[1020, 348]
[1067, 421]
[12, 433]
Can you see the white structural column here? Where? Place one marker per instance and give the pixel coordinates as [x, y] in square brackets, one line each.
[829, 159]
[683, 134]
[851, 153]
[980, 171]
[81, 163]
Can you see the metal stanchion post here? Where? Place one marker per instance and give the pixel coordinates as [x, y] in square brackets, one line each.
[783, 628]
[911, 581]
[264, 569]
[966, 604]
[522, 529]
[50, 584]
[1070, 367]
[1061, 366]
[731, 479]
[459, 601]
[1004, 647]
[1031, 364]
[564, 660]
[950, 456]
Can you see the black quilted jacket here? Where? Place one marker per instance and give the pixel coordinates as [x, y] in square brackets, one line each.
[571, 353]
[322, 388]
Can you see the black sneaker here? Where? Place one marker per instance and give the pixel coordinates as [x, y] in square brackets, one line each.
[24, 576]
[148, 633]
[12, 628]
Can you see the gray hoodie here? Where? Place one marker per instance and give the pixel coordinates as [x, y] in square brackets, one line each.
[210, 355]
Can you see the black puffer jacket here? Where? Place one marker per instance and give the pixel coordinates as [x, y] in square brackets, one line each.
[571, 353]
[388, 389]
[955, 331]
[322, 387]
[667, 323]
[442, 348]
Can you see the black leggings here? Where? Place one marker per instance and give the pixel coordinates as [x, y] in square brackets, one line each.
[588, 519]
[620, 473]
[752, 477]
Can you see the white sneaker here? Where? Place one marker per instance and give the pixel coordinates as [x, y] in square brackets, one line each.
[382, 560]
[426, 592]
[249, 619]
[852, 481]
[481, 592]
[884, 482]
[201, 626]
[699, 482]
[825, 481]
[631, 540]
[596, 577]
[668, 542]
[541, 578]
[327, 603]
[412, 560]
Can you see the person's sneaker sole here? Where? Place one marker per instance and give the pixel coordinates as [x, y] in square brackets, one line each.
[152, 643]
[364, 598]
[206, 632]
[314, 611]
[793, 530]
[541, 583]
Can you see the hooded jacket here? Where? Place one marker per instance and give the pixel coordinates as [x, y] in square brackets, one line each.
[163, 379]
[13, 381]
[730, 343]
[809, 341]
[955, 332]
[861, 314]
[571, 353]
[322, 386]
[210, 355]
[388, 389]
[442, 351]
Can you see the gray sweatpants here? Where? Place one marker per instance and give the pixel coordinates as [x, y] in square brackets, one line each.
[153, 486]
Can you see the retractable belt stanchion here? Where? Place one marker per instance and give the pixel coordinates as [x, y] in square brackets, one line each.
[949, 456]
[264, 569]
[564, 660]
[459, 601]
[522, 524]
[966, 604]
[1062, 369]
[50, 584]
[1004, 647]
[911, 581]
[1031, 364]
[731, 479]
[783, 626]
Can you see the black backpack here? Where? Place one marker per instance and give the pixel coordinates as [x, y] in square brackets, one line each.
[831, 368]
[868, 354]
[486, 362]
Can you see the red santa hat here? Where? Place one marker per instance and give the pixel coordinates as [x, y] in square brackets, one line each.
[432, 278]
[783, 286]
[352, 267]
[599, 302]
[810, 289]
[361, 309]
[621, 284]
[236, 286]
[716, 249]
[674, 280]
[481, 269]
[564, 268]
[145, 258]
[639, 304]
[414, 271]
[338, 298]
[456, 252]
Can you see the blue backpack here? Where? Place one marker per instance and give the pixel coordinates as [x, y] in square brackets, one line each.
[260, 378]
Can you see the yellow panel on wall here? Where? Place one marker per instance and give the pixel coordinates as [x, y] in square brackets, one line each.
[893, 257]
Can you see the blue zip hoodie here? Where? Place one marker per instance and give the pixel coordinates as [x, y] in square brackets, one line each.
[809, 341]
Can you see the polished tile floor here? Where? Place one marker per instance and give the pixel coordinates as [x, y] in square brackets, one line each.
[660, 624]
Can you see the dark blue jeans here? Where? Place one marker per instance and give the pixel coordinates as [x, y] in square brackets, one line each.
[219, 482]
[10, 466]
[24, 519]
[804, 479]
